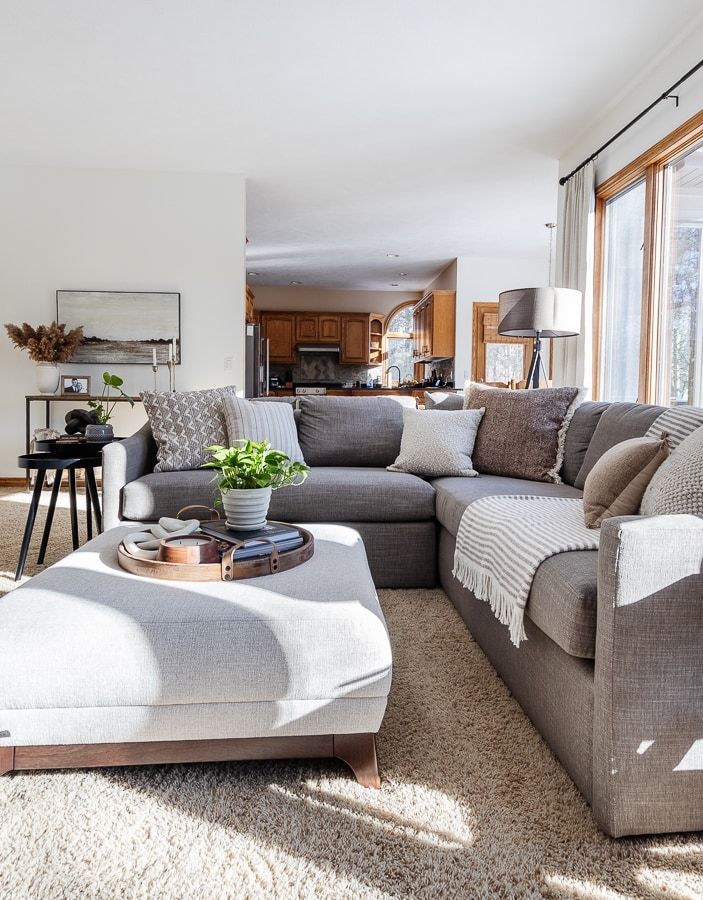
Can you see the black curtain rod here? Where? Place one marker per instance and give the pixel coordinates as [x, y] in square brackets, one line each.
[667, 95]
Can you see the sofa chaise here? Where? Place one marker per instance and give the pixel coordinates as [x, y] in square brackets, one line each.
[611, 673]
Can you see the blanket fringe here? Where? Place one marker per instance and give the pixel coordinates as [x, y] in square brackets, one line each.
[484, 586]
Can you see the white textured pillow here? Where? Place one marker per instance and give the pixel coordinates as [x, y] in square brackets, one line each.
[677, 485]
[263, 421]
[437, 443]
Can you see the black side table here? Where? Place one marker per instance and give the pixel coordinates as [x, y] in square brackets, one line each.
[42, 463]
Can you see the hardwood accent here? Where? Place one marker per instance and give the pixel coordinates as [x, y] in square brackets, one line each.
[649, 166]
[376, 351]
[358, 751]
[249, 314]
[485, 331]
[7, 760]
[434, 326]
[306, 327]
[279, 328]
[355, 339]
[11, 481]
[329, 327]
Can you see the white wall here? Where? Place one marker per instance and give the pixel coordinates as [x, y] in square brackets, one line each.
[328, 300]
[446, 280]
[663, 72]
[120, 230]
[480, 280]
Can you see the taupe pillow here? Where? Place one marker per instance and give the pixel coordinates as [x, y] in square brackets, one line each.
[616, 484]
[523, 432]
[272, 422]
[184, 423]
[677, 486]
[437, 443]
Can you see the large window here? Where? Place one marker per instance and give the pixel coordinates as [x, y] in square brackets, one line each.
[399, 343]
[649, 309]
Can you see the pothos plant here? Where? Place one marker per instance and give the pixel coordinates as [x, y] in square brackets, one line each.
[102, 407]
[253, 465]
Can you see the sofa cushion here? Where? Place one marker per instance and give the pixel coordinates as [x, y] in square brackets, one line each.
[455, 494]
[350, 431]
[619, 422]
[329, 494]
[578, 436]
[563, 601]
[272, 422]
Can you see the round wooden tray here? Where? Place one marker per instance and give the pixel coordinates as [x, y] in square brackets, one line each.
[226, 570]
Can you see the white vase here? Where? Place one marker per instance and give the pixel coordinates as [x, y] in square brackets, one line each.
[47, 377]
[246, 509]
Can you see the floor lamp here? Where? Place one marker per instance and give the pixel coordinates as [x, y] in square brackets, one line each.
[539, 313]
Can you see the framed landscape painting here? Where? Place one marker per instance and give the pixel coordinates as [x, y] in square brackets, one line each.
[124, 327]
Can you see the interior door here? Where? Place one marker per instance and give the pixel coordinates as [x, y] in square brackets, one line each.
[497, 360]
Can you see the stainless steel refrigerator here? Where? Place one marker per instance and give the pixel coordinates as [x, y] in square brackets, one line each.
[256, 376]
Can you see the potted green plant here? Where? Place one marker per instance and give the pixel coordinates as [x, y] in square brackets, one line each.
[103, 410]
[47, 346]
[246, 476]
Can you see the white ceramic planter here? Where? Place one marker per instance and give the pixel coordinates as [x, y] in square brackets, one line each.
[246, 509]
[47, 377]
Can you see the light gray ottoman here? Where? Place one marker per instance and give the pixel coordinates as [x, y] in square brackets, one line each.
[100, 667]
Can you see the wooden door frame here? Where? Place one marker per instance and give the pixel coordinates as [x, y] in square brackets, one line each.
[481, 306]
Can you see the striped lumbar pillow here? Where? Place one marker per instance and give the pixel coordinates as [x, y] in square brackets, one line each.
[272, 422]
[678, 422]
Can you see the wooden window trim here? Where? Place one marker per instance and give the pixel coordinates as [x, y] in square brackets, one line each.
[403, 335]
[649, 166]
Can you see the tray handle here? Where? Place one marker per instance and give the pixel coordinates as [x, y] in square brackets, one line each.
[210, 509]
[228, 558]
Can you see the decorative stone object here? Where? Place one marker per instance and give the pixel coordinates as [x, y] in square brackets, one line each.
[78, 419]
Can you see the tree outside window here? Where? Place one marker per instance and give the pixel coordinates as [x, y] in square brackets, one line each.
[399, 343]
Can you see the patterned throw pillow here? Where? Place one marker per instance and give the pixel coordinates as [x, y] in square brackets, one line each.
[184, 423]
[677, 485]
[616, 484]
[437, 443]
[523, 432]
[678, 422]
[272, 422]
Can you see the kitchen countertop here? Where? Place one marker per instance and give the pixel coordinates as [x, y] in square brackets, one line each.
[361, 392]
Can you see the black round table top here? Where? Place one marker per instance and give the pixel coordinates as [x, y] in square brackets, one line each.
[78, 448]
[47, 460]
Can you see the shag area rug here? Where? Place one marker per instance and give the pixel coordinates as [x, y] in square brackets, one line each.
[473, 803]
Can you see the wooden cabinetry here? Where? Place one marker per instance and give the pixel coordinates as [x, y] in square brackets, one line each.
[434, 326]
[376, 339]
[329, 327]
[279, 328]
[306, 327]
[249, 314]
[355, 339]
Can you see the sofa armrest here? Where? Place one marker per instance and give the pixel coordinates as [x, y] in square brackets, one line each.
[648, 702]
[125, 461]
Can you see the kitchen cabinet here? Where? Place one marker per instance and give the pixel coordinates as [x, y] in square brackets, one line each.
[329, 328]
[355, 339]
[306, 328]
[434, 326]
[279, 329]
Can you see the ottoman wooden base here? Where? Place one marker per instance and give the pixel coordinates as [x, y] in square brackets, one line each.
[358, 751]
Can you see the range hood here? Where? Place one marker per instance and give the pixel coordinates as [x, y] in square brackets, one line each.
[318, 348]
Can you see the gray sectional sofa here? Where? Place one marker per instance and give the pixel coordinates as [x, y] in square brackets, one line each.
[612, 671]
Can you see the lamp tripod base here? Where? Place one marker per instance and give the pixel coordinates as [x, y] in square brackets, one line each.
[536, 365]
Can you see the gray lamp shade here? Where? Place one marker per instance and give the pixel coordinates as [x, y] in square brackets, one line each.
[553, 312]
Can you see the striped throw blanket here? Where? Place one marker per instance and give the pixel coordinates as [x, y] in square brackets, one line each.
[502, 541]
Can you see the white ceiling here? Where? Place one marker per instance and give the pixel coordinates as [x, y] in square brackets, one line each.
[430, 129]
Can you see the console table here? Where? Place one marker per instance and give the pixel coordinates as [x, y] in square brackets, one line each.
[47, 400]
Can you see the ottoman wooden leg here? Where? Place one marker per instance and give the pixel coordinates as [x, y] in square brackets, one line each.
[358, 751]
[7, 760]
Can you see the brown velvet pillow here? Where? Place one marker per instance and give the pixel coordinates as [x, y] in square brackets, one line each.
[522, 433]
[617, 482]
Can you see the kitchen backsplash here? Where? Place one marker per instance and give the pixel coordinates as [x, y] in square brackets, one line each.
[320, 367]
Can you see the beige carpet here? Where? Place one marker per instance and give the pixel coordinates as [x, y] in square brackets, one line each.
[473, 803]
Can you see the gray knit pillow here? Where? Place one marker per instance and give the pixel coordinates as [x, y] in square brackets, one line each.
[437, 443]
[184, 423]
[272, 422]
[677, 485]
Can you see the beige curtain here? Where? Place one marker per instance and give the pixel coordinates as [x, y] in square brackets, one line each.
[573, 357]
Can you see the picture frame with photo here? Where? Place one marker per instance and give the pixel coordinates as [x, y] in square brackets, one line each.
[75, 385]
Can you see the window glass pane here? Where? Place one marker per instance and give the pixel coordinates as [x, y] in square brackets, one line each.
[503, 362]
[622, 295]
[680, 372]
[402, 321]
[400, 353]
